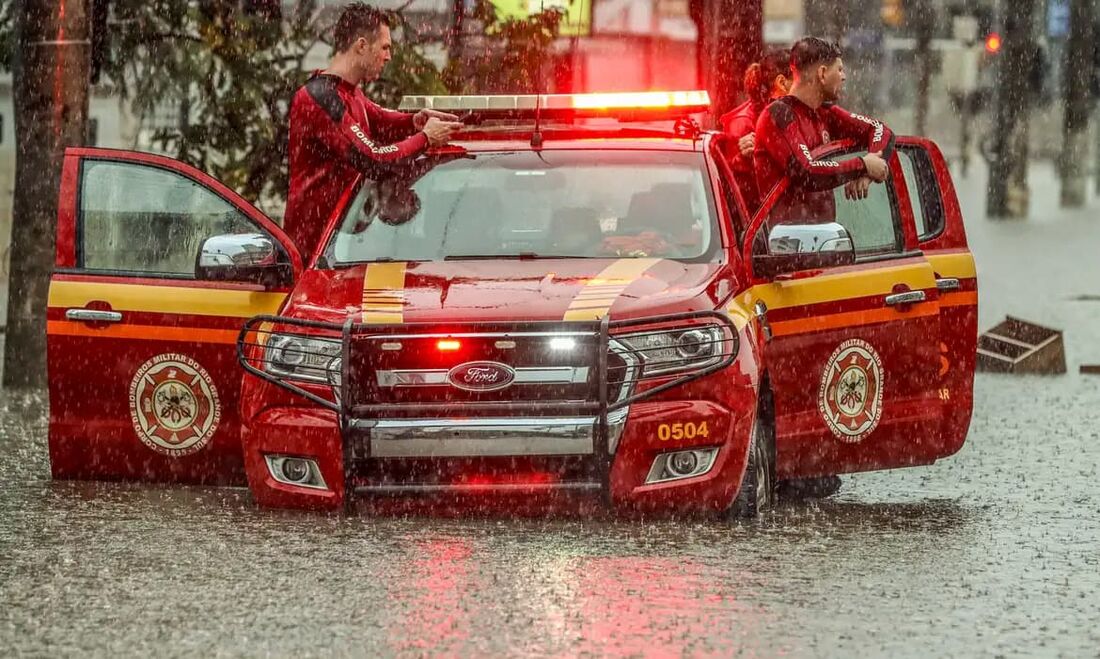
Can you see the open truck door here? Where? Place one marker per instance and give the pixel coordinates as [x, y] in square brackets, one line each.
[157, 267]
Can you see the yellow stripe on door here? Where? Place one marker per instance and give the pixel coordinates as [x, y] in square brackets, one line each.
[384, 293]
[855, 283]
[594, 300]
[150, 298]
[957, 265]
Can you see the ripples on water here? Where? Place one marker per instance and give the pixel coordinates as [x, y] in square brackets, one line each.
[994, 550]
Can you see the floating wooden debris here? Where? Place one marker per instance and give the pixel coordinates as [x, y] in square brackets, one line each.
[1090, 369]
[1017, 346]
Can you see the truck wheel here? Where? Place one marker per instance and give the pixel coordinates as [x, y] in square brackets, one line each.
[758, 484]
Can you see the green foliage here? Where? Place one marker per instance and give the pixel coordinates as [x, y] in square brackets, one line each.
[409, 71]
[227, 69]
[511, 55]
[229, 75]
[232, 72]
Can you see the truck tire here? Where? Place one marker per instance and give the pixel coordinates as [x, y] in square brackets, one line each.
[757, 492]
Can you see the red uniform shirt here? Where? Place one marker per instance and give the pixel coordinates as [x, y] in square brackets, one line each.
[789, 130]
[738, 123]
[333, 128]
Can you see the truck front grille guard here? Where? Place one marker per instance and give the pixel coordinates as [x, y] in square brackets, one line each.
[318, 344]
[253, 347]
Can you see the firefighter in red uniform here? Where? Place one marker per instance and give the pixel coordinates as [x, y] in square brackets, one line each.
[793, 126]
[787, 133]
[336, 132]
[765, 81]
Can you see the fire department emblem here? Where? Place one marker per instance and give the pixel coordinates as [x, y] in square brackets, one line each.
[850, 397]
[174, 405]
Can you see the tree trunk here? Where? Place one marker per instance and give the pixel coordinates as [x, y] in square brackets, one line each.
[731, 37]
[1007, 194]
[454, 34]
[1077, 79]
[51, 109]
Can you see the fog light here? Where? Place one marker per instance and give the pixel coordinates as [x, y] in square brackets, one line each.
[302, 472]
[296, 470]
[683, 463]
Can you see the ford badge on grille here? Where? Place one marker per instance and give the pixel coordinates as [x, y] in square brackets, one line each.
[481, 376]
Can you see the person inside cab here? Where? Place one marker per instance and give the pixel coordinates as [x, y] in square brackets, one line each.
[793, 126]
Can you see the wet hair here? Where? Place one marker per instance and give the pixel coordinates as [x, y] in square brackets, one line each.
[812, 51]
[357, 20]
[760, 76]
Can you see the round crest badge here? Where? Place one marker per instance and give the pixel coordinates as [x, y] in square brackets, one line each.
[850, 396]
[174, 405]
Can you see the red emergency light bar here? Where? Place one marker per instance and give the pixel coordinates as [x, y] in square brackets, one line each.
[623, 105]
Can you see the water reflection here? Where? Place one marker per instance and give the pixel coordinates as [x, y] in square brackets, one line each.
[897, 561]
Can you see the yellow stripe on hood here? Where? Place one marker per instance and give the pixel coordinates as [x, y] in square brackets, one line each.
[596, 297]
[384, 293]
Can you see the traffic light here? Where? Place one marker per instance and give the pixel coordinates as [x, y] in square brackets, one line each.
[893, 13]
[993, 43]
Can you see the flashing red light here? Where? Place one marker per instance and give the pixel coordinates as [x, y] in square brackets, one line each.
[639, 100]
[448, 345]
[993, 43]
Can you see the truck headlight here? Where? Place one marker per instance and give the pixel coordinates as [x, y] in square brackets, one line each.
[668, 351]
[302, 358]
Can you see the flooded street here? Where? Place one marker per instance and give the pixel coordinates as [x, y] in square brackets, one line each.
[995, 551]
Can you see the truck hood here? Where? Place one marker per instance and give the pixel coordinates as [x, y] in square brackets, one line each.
[507, 290]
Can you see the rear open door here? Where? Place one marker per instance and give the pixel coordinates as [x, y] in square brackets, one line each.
[144, 381]
[942, 238]
[854, 352]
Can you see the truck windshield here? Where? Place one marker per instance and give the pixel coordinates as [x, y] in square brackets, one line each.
[571, 204]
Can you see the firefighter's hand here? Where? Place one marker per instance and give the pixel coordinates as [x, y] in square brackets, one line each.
[857, 189]
[876, 166]
[440, 132]
[420, 119]
[746, 144]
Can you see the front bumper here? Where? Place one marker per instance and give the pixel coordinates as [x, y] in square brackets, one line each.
[602, 443]
[483, 437]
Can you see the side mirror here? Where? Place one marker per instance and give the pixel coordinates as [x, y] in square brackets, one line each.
[246, 257]
[794, 247]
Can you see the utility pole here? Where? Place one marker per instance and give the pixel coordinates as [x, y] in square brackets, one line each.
[731, 37]
[51, 109]
[1076, 82]
[924, 23]
[1007, 193]
[827, 19]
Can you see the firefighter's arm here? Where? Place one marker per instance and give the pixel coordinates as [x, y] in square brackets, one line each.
[340, 134]
[777, 133]
[876, 135]
[390, 125]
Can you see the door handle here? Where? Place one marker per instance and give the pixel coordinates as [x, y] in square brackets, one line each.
[908, 297]
[93, 316]
[947, 284]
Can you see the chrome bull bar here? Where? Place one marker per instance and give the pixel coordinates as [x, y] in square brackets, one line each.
[589, 426]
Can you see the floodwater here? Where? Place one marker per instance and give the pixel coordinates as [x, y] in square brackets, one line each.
[994, 551]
